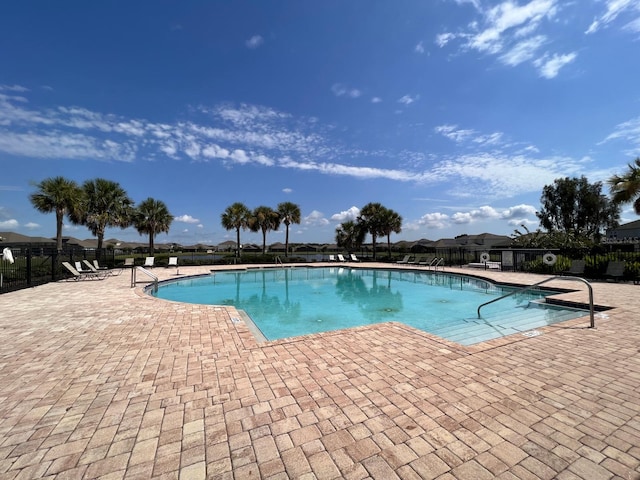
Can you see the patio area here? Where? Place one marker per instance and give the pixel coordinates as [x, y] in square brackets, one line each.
[102, 381]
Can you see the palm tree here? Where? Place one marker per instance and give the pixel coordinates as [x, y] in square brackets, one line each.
[59, 195]
[350, 235]
[236, 217]
[264, 219]
[152, 217]
[106, 204]
[626, 188]
[370, 219]
[391, 223]
[289, 213]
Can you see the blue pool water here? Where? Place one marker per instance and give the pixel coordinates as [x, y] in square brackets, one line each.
[287, 302]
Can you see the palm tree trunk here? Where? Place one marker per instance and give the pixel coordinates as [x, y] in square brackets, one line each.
[151, 247]
[238, 242]
[373, 242]
[286, 243]
[99, 248]
[59, 219]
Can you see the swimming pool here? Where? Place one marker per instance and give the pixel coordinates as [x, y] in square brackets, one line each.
[288, 302]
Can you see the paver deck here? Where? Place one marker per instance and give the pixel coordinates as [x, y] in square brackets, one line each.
[100, 381]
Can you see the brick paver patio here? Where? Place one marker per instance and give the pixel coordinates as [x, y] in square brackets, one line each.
[98, 380]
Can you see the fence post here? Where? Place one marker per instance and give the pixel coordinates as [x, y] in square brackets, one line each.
[29, 266]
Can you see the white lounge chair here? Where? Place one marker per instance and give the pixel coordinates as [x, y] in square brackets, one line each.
[341, 258]
[82, 269]
[354, 258]
[405, 259]
[332, 258]
[173, 262]
[149, 262]
[97, 266]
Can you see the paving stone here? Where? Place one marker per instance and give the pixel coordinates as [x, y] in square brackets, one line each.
[135, 387]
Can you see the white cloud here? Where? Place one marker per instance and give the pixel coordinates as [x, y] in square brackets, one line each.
[434, 220]
[31, 225]
[614, 9]
[341, 90]
[408, 99]
[452, 132]
[512, 32]
[419, 48]
[549, 67]
[628, 131]
[9, 224]
[517, 222]
[254, 42]
[481, 213]
[460, 135]
[523, 51]
[518, 211]
[186, 219]
[506, 16]
[13, 88]
[351, 214]
[315, 218]
[376, 100]
[444, 38]
[287, 190]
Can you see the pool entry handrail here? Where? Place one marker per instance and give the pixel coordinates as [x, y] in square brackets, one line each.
[153, 277]
[529, 287]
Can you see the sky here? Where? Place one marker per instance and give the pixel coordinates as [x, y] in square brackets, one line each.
[453, 113]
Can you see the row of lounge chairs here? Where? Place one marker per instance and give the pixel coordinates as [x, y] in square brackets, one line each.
[615, 269]
[421, 260]
[88, 271]
[340, 258]
[149, 262]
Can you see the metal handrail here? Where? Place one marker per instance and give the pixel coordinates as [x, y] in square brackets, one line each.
[146, 272]
[279, 260]
[529, 287]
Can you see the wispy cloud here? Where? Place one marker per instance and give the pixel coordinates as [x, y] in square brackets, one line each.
[461, 135]
[254, 42]
[341, 90]
[240, 136]
[548, 67]
[629, 132]
[614, 9]
[408, 99]
[523, 51]
[513, 33]
[13, 88]
[419, 48]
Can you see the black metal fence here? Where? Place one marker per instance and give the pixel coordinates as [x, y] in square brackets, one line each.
[36, 265]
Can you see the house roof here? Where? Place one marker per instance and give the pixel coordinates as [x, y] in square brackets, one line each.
[14, 238]
[629, 226]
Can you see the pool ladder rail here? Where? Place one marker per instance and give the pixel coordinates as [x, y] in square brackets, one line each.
[530, 287]
[153, 277]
